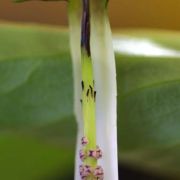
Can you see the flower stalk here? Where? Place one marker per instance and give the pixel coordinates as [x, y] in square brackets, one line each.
[90, 153]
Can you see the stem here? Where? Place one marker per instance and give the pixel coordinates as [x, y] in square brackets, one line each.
[88, 106]
[88, 93]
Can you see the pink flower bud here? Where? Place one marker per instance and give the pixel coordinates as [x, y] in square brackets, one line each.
[85, 171]
[99, 173]
[84, 141]
[82, 155]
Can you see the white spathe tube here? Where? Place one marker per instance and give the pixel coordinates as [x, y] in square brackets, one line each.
[106, 102]
[75, 36]
[105, 84]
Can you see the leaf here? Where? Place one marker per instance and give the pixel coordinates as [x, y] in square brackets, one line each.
[26, 69]
[36, 101]
[29, 158]
[148, 101]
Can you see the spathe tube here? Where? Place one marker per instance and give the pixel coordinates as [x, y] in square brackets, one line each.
[105, 78]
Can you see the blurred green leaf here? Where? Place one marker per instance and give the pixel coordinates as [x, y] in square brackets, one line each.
[29, 158]
[36, 103]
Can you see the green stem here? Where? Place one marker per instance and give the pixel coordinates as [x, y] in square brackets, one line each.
[88, 92]
[88, 106]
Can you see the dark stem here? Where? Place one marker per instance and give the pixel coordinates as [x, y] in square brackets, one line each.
[85, 31]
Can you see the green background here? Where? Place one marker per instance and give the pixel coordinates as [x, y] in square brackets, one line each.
[38, 128]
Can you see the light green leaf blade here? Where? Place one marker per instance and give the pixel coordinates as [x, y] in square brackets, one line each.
[35, 118]
[25, 70]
